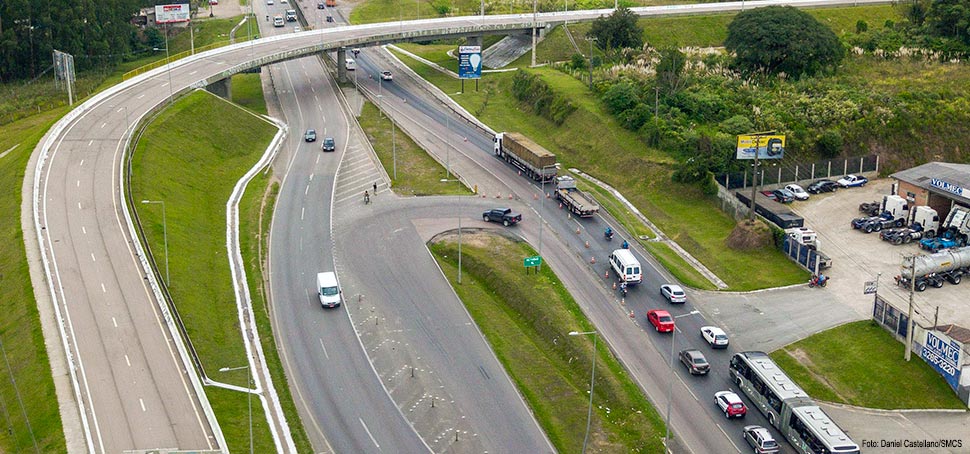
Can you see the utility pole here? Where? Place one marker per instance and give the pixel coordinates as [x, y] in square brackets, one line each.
[754, 178]
[535, 16]
[909, 321]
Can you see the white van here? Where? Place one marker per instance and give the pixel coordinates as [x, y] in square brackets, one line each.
[626, 266]
[328, 289]
[350, 64]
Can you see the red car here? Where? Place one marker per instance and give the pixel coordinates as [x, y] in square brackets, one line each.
[661, 320]
[730, 403]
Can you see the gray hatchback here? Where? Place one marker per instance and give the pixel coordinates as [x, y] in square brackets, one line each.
[695, 361]
[760, 439]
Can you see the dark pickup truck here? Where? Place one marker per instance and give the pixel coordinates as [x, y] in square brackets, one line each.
[504, 215]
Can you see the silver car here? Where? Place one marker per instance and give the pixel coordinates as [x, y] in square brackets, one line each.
[673, 293]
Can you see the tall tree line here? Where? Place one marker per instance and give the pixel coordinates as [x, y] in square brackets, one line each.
[96, 32]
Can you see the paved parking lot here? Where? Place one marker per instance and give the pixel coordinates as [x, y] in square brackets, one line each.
[858, 257]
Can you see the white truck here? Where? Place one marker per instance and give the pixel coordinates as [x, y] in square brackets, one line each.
[923, 223]
[573, 199]
[531, 158]
[933, 269]
[328, 289]
[808, 237]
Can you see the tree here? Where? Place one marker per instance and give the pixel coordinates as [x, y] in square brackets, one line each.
[782, 39]
[616, 31]
[950, 19]
[620, 97]
[670, 70]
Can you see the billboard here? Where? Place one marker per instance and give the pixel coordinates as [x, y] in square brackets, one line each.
[167, 14]
[943, 353]
[469, 62]
[767, 146]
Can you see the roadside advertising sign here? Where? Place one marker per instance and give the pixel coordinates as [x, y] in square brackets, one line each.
[943, 354]
[167, 14]
[469, 62]
[767, 146]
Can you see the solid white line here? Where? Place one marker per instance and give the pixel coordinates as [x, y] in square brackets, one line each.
[142, 402]
[368, 433]
[726, 436]
[114, 322]
[103, 289]
[324, 349]
[127, 361]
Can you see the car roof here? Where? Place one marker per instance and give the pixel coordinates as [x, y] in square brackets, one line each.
[730, 396]
[673, 287]
[659, 312]
[713, 329]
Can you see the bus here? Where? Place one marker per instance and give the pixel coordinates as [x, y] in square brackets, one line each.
[788, 407]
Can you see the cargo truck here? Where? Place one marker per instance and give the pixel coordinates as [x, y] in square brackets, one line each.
[531, 158]
[954, 231]
[773, 211]
[933, 269]
[573, 199]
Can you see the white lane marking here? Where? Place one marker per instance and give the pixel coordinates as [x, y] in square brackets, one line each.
[320, 108]
[726, 436]
[141, 96]
[165, 84]
[79, 205]
[82, 161]
[114, 322]
[92, 258]
[325, 351]
[103, 125]
[103, 289]
[193, 72]
[307, 190]
[302, 212]
[318, 159]
[311, 89]
[142, 402]
[78, 183]
[127, 361]
[368, 433]
[84, 230]
[311, 177]
[89, 144]
[120, 109]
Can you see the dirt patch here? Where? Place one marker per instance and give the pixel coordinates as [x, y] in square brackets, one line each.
[749, 235]
[806, 361]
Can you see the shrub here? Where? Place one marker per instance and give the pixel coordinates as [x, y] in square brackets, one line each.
[577, 61]
[829, 144]
[532, 90]
[621, 97]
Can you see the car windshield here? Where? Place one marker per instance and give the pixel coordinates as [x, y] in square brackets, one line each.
[329, 291]
[328, 141]
[720, 337]
[665, 318]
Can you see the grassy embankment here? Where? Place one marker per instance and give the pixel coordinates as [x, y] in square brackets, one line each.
[389, 10]
[549, 367]
[858, 372]
[191, 157]
[31, 421]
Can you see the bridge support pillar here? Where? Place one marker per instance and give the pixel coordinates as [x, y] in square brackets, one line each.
[222, 88]
[473, 41]
[341, 66]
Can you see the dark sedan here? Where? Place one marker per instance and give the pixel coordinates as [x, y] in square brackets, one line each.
[821, 186]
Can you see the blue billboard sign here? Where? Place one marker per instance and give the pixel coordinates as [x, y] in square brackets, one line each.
[943, 354]
[469, 62]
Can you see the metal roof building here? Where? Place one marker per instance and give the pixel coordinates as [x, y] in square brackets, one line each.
[939, 185]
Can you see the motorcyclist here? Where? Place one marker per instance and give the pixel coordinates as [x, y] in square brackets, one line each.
[609, 233]
[366, 197]
[623, 288]
[626, 245]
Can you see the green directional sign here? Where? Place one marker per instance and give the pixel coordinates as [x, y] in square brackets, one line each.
[532, 261]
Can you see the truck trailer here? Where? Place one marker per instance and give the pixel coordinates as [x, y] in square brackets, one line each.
[773, 211]
[573, 199]
[933, 269]
[531, 158]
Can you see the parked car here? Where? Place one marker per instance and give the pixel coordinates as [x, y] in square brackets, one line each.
[270, 2]
[797, 191]
[852, 181]
[714, 336]
[504, 215]
[310, 136]
[821, 186]
[661, 320]
[386, 75]
[213, 2]
[783, 195]
[695, 361]
[320, 5]
[731, 404]
[673, 293]
[770, 194]
[329, 144]
[760, 439]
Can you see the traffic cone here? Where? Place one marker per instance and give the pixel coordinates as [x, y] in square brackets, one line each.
[631, 315]
[587, 245]
[577, 230]
[593, 260]
[614, 284]
[606, 275]
[510, 196]
[622, 301]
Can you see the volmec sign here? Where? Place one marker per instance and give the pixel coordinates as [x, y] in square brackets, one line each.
[943, 354]
[948, 187]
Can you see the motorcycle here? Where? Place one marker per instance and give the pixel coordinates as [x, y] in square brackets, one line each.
[609, 234]
[623, 289]
[818, 280]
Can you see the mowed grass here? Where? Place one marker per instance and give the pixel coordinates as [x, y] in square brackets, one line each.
[526, 318]
[191, 157]
[247, 91]
[417, 172]
[31, 422]
[388, 10]
[592, 140]
[677, 266]
[830, 368]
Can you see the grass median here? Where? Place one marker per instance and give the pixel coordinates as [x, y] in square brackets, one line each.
[190, 157]
[526, 318]
[858, 372]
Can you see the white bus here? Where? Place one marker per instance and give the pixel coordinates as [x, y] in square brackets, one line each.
[788, 407]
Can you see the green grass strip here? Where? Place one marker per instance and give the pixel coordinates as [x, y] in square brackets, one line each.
[526, 318]
[855, 372]
[31, 419]
[676, 265]
[190, 157]
[247, 91]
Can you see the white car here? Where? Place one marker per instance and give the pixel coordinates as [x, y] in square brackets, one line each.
[270, 2]
[284, 1]
[715, 336]
[386, 75]
[673, 293]
[297, 29]
[797, 190]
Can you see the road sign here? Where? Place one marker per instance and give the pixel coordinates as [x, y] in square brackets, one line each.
[766, 146]
[869, 288]
[469, 62]
[532, 261]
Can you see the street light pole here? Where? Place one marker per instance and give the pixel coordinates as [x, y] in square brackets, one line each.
[591, 39]
[592, 379]
[535, 17]
[249, 399]
[168, 280]
[541, 206]
[670, 378]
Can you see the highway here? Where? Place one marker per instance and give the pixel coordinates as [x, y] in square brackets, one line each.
[132, 381]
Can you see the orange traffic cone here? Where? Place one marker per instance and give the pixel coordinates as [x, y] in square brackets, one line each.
[593, 260]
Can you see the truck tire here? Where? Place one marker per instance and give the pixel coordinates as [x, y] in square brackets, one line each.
[956, 278]
[920, 286]
[868, 228]
[938, 283]
[899, 240]
[907, 239]
[899, 223]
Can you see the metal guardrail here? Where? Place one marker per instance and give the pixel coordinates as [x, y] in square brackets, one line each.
[171, 58]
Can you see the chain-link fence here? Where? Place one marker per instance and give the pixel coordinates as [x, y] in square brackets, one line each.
[772, 172]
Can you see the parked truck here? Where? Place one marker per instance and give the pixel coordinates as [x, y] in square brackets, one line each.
[573, 199]
[954, 231]
[894, 211]
[933, 269]
[807, 237]
[773, 211]
[531, 158]
[924, 223]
